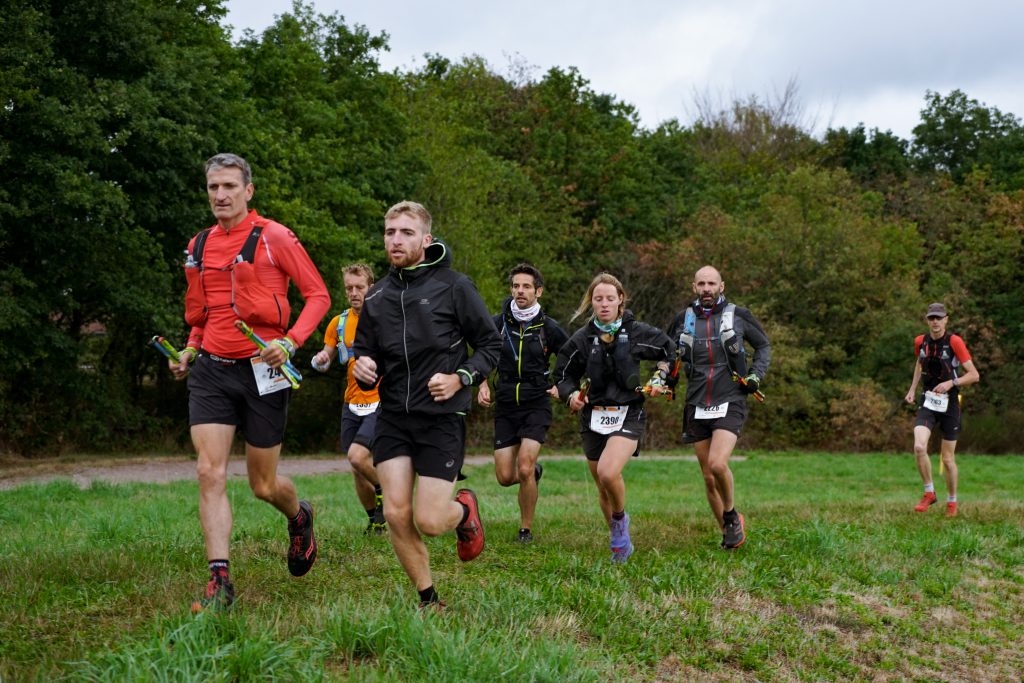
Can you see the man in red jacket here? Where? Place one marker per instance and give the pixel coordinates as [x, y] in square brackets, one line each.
[240, 269]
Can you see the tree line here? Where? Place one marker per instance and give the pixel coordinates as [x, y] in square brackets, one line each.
[836, 241]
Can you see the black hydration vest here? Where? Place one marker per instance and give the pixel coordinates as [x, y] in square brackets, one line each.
[614, 361]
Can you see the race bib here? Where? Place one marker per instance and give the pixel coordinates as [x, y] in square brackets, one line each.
[268, 379]
[364, 409]
[936, 402]
[607, 419]
[711, 412]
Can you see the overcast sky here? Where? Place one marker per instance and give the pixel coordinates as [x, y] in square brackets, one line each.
[853, 62]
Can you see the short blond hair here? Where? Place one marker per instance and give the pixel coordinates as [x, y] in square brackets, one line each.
[413, 209]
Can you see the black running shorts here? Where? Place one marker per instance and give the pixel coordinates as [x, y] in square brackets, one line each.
[435, 443]
[695, 430]
[225, 393]
[948, 422]
[594, 442]
[515, 423]
[357, 428]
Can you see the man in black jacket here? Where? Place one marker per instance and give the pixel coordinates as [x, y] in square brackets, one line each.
[529, 338]
[414, 331]
[710, 334]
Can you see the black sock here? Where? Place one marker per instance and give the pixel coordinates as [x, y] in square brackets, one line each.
[219, 570]
[428, 594]
[729, 516]
[465, 513]
[619, 515]
[294, 521]
[377, 490]
[370, 511]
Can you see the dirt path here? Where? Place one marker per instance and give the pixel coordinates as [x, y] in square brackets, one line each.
[161, 470]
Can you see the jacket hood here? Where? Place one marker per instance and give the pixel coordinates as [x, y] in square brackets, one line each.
[436, 255]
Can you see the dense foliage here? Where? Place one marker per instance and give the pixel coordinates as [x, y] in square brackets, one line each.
[837, 241]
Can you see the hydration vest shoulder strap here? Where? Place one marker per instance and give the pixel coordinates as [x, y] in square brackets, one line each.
[248, 252]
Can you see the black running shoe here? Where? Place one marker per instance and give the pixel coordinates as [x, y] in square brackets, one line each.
[218, 597]
[302, 551]
[538, 472]
[735, 533]
[525, 537]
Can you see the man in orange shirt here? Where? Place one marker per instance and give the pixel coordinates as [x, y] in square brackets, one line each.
[941, 358]
[361, 408]
[240, 269]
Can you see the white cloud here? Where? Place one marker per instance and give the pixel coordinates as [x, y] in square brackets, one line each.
[870, 61]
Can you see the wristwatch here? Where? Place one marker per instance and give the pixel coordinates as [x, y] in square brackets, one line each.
[465, 377]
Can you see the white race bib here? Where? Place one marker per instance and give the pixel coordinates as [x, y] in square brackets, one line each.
[711, 412]
[364, 409]
[607, 419]
[268, 379]
[936, 402]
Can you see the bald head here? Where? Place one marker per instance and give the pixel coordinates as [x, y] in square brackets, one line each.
[708, 286]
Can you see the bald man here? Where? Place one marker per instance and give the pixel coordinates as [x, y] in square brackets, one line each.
[711, 335]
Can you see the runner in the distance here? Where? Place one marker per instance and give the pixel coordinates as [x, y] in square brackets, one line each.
[523, 413]
[940, 356]
[360, 408]
[606, 353]
[710, 334]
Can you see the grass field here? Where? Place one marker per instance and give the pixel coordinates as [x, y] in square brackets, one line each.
[839, 580]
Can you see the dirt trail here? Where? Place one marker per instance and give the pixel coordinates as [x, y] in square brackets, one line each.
[162, 470]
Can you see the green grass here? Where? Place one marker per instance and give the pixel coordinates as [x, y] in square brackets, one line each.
[839, 581]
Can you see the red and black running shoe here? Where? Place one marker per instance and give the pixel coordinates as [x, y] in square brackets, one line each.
[927, 500]
[302, 551]
[218, 597]
[471, 533]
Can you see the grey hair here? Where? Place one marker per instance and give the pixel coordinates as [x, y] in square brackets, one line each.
[228, 160]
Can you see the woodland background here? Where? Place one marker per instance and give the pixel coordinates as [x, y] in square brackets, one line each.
[837, 240]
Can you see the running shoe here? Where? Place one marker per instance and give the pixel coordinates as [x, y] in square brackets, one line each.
[621, 545]
[951, 508]
[735, 533]
[538, 472]
[218, 597]
[927, 500]
[302, 551]
[525, 536]
[471, 533]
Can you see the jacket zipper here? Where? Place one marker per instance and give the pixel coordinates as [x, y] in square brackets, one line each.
[711, 360]
[405, 348]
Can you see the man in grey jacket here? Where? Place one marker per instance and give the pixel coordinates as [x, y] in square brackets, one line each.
[414, 333]
[710, 334]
